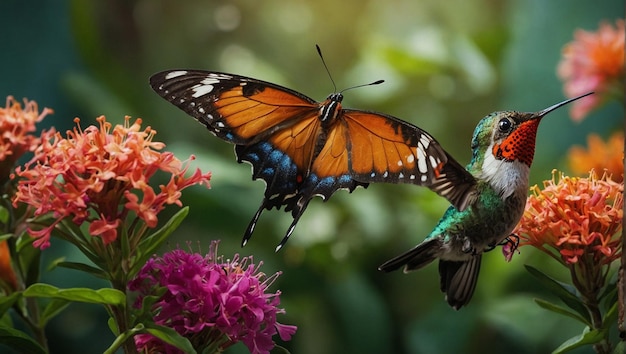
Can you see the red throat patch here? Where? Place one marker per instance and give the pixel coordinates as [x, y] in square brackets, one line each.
[519, 145]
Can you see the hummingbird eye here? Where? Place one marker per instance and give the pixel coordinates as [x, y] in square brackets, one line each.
[504, 125]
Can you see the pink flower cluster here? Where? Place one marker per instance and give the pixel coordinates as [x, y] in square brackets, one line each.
[211, 301]
[594, 61]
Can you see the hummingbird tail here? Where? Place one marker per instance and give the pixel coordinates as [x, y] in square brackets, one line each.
[458, 280]
[415, 258]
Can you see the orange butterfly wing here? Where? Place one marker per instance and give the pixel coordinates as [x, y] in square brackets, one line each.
[372, 147]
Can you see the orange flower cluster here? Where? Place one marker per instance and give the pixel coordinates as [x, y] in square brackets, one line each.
[600, 156]
[17, 126]
[594, 61]
[98, 175]
[573, 218]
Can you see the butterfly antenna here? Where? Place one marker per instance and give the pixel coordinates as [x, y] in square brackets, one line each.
[377, 82]
[319, 52]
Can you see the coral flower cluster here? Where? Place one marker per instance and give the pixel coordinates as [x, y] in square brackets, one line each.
[594, 61]
[99, 175]
[17, 128]
[211, 301]
[575, 219]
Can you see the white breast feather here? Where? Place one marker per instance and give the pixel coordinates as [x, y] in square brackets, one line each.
[504, 176]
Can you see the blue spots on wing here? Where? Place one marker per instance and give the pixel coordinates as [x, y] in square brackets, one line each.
[252, 157]
[328, 185]
[275, 156]
[345, 179]
[284, 179]
[285, 162]
[265, 147]
[275, 167]
[326, 182]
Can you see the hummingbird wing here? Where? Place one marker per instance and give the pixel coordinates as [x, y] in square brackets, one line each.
[455, 183]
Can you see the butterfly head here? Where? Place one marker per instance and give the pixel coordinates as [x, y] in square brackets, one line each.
[335, 97]
[330, 109]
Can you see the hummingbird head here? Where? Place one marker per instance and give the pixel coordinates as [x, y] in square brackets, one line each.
[503, 147]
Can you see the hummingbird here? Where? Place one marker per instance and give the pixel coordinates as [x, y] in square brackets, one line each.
[503, 147]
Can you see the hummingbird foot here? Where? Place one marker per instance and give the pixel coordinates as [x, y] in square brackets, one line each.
[512, 241]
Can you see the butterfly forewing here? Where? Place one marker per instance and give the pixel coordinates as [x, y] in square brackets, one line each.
[386, 149]
[235, 108]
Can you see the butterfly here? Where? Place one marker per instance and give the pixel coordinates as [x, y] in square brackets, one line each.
[302, 148]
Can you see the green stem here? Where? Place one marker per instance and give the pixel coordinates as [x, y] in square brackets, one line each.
[603, 346]
[587, 278]
[32, 319]
[122, 318]
[30, 313]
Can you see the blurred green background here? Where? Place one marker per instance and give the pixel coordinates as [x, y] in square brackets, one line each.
[445, 64]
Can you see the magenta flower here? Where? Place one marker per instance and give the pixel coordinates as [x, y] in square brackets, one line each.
[211, 301]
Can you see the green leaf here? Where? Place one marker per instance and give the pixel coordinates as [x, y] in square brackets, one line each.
[19, 341]
[170, 336]
[29, 258]
[610, 317]
[565, 292]
[113, 326]
[6, 302]
[148, 301]
[561, 310]
[585, 338]
[77, 238]
[4, 215]
[85, 268]
[54, 307]
[123, 242]
[149, 245]
[620, 348]
[609, 295]
[6, 321]
[54, 264]
[5, 237]
[101, 296]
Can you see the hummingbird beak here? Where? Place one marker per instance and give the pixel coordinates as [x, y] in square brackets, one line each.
[542, 113]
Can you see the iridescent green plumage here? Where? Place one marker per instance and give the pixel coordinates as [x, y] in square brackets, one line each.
[502, 151]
